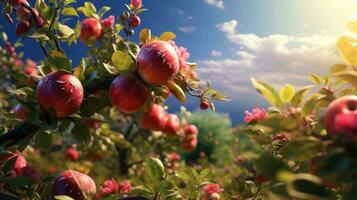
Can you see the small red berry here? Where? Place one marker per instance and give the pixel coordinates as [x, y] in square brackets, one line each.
[134, 21]
[172, 125]
[72, 154]
[23, 27]
[204, 105]
[91, 30]
[191, 130]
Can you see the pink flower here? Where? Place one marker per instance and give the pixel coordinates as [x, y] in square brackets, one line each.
[109, 187]
[240, 159]
[211, 189]
[256, 115]
[183, 56]
[125, 187]
[174, 156]
[108, 22]
[136, 3]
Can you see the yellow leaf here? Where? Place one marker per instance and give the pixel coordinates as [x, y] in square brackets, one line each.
[177, 91]
[352, 25]
[167, 36]
[121, 61]
[350, 76]
[145, 35]
[348, 49]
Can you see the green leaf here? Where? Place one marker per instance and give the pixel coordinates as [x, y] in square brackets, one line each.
[286, 93]
[43, 140]
[122, 61]
[65, 30]
[333, 164]
[63, 197]
[141, 191]
[90, 6]
[155, 169]
[280, 122]
[275, 165]
[39, 36]
[111, 69]
[349, 76]
[310, 104]
[299, 96]
[301, 149]
[268, 92]
[103, 10]
[82, 133]
[314, 78]
[60, 61]
[22, 92]
[145, 35]
[307, 186]
[69, 11]
[17, 182]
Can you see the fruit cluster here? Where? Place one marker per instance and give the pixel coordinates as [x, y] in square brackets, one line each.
[157, 119]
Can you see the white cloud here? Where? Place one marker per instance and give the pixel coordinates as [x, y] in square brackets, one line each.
[276, 59]
[217, 3]
[187, 29]
[216, 53]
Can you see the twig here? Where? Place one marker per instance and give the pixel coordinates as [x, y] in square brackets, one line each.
[258, 191]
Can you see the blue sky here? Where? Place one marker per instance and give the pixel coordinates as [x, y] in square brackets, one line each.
[278, 41]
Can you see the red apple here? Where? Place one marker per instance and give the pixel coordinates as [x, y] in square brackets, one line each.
[20, 162]
[172, 125]
[191, 130]
[154, 118]
[20, 112]
[22, 13]
[60, 93]
[134, 21]
[74, 184]
[128, 94]
[190, 144]
[157, 62]
[72, 153]
[18, 2]
[204, 105]
[341, 116]
[22, 27]
[91, 30]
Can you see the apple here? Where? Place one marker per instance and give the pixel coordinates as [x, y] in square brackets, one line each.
[128, 94]
[20, 162]
[190, 144]
[154, 118]
[74, 184]
[157, 62]
[22, 13]
[20, 112]
[341, 116]
[18, 2]
[91, 30]
[191, 130]
[204, 105]
[172, 125]
[72, 153]
[134, 21]
[22, 27]
[60, 94]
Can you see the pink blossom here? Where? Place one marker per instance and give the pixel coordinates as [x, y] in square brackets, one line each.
[109, 187]
[125, 187]
[211, 189]
[182, 54]
[108, 22]
[240, 159]
[136, 3]
[174, 156]
[256, 115]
